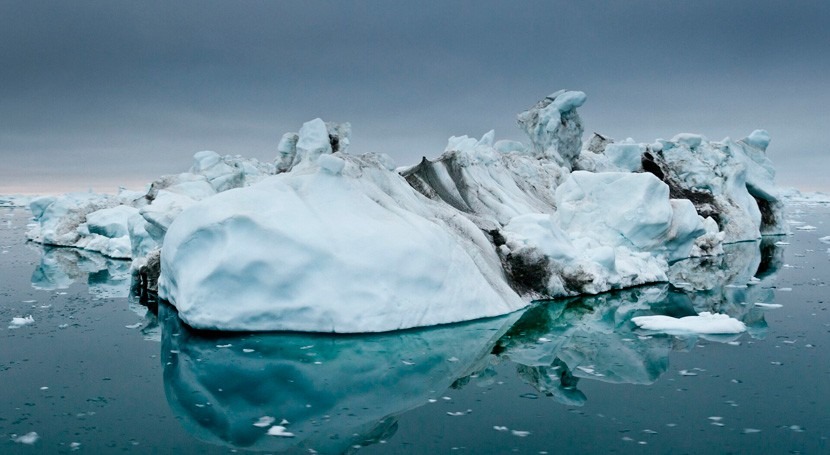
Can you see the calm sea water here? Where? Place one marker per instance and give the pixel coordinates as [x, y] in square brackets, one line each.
[99, 372]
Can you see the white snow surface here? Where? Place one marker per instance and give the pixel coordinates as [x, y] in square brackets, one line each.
[704, 323]
[313, 251]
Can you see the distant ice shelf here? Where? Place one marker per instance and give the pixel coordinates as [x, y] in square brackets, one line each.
[321, 240]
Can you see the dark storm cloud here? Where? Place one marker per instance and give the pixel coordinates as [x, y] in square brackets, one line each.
[130, 90]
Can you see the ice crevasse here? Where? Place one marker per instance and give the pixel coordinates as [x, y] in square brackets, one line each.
[323, 240]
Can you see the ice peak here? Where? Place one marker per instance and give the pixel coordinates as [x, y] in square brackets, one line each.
[554, 127]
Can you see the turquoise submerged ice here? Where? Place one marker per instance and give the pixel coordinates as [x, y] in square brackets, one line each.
[322, 240]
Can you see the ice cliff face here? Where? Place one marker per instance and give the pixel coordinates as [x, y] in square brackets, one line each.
[321, 240]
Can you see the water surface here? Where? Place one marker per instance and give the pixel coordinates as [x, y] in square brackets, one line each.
[98, 371]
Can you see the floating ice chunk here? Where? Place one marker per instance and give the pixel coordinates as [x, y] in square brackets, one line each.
[704, 323]
[825, 239]
[28, 438]
[133, 326]
[768, 305]
[520, 433]
[806, 227]
[500, 428]
[279, 430]
[20, 322]
[264, 421]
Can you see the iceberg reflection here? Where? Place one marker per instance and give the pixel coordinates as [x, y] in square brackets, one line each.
[60, 267]
[335, 392]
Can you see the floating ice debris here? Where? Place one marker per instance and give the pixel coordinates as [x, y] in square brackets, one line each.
[781, 243]
[768, 305]
[520, 433]
[806, 227]
[452, 359]
[63, 326]
[456, 413]
[247, 351]
[825, 239]
[446, 398]
[133, 326]
[406, 362]
[44, 388]
[589, 370]
[264, 421]
[29, 301]
[796, 428]
[28, 438]
[223, 345]
[776, 363]
[648, 431]
[74, 445]
[704, 323]
[784, 289]
[751, 430]
[544, 340]
[279, 430]
[20, 322]
[687, 373]
[716, 418]
[498, 428]
[307, 347]
[432, 400]
[284, 422]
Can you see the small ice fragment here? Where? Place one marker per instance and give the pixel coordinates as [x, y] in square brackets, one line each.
[20, 322]
[452, 359]
[498, 428]
[279, 430]
[405, 362]
[44, 388]
[648, 431]
[28, 438]
[806, 227]
[61, 293]
[264, 421]
[716, 418]
[825, 239]
[318, 363]
[74, 445]
[224, 345]
[307, 347]
[247, 351]
[544, 340]
[784, 289]
[455, 414]
[133, 326]
[768, 305]
[446, 398]
[733, 343]
[63, 326]
[29, 301]
[687, 373]
[751, 430]
[284, 422]
[432, 400]
[520, 433]
[776, 363]
[797, 428]
[779, 243]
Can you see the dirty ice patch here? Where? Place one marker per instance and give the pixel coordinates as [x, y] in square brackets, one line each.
[704, 323]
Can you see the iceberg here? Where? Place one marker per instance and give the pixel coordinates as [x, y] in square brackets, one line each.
[322, 240]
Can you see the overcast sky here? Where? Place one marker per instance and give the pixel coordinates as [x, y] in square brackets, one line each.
[97, 94]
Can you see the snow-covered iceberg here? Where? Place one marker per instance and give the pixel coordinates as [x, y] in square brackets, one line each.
[321, 240]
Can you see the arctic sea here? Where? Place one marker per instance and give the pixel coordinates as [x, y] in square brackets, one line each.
[87, 366]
